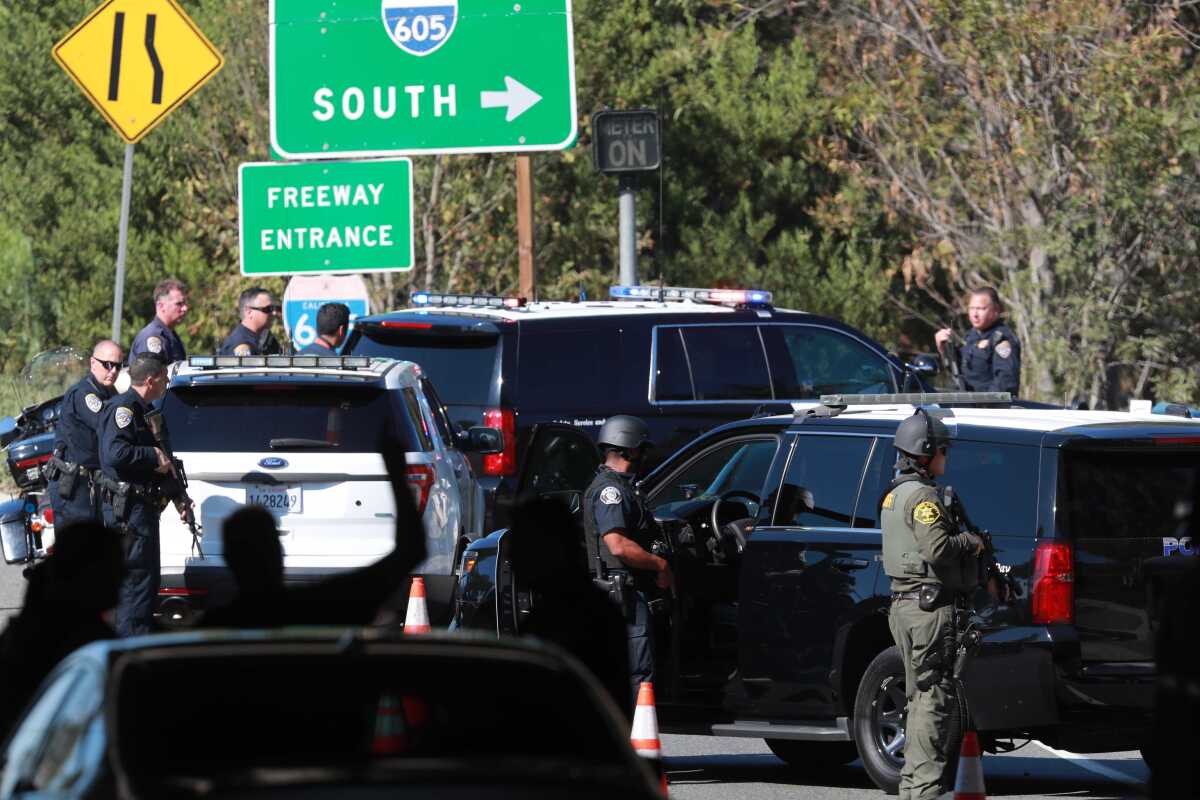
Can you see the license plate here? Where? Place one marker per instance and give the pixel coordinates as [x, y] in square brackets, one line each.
[280, 499]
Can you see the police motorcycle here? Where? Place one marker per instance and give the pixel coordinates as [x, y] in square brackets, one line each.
[27, 521]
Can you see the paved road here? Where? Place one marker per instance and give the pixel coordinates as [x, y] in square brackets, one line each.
[701, 767]
[12, 590]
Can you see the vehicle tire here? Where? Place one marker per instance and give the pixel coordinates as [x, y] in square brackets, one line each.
[813, 756]
[879, 711]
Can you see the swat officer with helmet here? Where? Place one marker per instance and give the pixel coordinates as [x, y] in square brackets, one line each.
[620, 532]
[933, 568]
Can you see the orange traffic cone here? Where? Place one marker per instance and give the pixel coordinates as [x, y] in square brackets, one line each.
[391, 734]
[968, 783]
[644, 736]
[416, 618]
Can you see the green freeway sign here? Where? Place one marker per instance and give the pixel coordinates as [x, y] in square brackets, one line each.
[389, 77]
[332, 216]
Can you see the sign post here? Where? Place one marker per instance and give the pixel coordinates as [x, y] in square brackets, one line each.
[626, 143]
[332, 216]
[404, 77]
[136, 61]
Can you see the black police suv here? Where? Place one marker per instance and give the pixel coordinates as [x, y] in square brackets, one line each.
[684, 360]
[781, 629]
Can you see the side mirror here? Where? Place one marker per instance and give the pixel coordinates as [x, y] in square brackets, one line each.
[924, 364]
[8, 430]
[485, 441]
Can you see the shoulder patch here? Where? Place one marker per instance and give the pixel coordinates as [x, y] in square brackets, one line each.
[124, 416]
[1004, 349]
[890, 500]
[154, 344]
[242, 350]
[982, 344]
[610, 495]
[93, 402]
[927, 512]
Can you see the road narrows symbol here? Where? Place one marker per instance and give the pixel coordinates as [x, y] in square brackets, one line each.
[114, 67]
[156, 94]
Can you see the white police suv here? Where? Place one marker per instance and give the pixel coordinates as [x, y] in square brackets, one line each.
[300, 435]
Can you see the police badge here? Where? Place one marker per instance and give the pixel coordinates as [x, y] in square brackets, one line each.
[419, 27]
[93, 403]
[124, 417]
[610, 495]
[154, 344]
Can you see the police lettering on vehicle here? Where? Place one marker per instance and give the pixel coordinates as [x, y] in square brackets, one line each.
[1182, 546]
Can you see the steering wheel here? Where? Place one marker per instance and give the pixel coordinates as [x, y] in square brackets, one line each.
[717, 529]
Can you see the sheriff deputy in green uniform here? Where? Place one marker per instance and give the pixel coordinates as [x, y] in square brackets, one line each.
[933, 568]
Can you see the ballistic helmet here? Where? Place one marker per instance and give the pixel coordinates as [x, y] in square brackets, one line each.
[624, 432]
[921, 434]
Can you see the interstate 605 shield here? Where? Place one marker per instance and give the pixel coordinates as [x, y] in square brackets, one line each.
[394, 77]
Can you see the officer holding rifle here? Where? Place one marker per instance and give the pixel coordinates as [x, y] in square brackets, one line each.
[621, 533]
[138, 476]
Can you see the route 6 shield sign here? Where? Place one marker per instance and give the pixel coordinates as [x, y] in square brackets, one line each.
[420, 26]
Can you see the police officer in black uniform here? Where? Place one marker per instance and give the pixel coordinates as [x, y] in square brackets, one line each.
[252, 336]
[620, 531]
[133, 467]
[333, 320]
[159, 337]
[990, 357]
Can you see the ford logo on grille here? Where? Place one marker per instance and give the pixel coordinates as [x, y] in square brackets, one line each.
[273, 463]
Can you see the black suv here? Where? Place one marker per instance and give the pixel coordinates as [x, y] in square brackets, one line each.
[685, 360]
[782, 627]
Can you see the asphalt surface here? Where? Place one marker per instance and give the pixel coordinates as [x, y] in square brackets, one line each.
[702, 767]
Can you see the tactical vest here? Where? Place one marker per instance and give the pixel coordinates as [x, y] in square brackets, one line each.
[902, 559]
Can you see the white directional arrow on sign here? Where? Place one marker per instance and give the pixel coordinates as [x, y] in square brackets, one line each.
[518, 97]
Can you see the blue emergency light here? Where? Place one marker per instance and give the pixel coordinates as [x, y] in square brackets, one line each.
[728, 297]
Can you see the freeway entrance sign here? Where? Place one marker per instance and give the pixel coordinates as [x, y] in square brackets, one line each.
[380, 77]
[334, 216]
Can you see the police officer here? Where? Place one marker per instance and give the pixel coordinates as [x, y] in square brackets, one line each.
[159, 337]
[620, 530]
[990, 357]
[333, 320]
[252, 336]
[933, 569]
[132, 466]
[75, 462]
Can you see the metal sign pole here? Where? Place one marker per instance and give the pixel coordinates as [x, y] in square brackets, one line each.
[628, 234]
[122, 238]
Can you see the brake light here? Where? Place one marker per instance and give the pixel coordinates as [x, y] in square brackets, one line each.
[505, 462]
[26, 463]
[182, 592]
[420, 481]
[48, 515]
[388, 323]
[1053, 583]
[1169, 440]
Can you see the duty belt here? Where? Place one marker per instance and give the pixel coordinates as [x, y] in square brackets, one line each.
[144, 491]
[913, 595]
[79, 469]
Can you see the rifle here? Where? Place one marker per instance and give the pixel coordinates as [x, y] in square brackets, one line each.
[950, 359]
[989, 567]
[175, 488]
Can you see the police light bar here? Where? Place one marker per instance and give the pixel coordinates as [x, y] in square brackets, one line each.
[287, 362]
[465, 300]
[918, 399]
[728, 297]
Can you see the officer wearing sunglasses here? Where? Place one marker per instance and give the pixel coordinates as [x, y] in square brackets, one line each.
[258, 310]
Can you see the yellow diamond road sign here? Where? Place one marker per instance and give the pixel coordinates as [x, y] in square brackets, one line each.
[137, 61]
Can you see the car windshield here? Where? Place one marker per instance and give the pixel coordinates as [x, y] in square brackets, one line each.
[231, 418]
[462, 368]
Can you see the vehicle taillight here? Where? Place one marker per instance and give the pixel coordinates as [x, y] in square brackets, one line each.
[420, 481]
[26, 463]
[505, 421]
[1053, 583]
[48, 515]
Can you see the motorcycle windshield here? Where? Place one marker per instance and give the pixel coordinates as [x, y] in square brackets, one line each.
[49, 374]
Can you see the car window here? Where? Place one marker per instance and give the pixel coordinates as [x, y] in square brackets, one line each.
[727, 362]
[441, 420]
[465, 368]
[232, 418]
[997, 483]
[808, 361]
[822, 481]
[419, 422]
[559, 460]
[551, 363]
[24, 754]
[71, 744]
[672, 376]
[880, 472]
[740, 465]
[1109, 495]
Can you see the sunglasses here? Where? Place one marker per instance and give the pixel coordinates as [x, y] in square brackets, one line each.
[107, 364]
[273, 309]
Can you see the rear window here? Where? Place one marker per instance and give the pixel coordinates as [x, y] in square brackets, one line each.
[1127, 495]
[276, 416]
[463, 368]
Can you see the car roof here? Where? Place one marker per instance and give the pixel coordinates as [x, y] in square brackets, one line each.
[598, 309]
[187, 375]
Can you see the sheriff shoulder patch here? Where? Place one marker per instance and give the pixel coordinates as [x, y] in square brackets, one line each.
[242, 350]
[124, 417]
[1004, 349]
[154, 344]
[890, 500]
[610, 495]
[927, 512]
[92, 402]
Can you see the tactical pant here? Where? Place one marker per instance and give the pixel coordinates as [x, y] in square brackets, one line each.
[79, 507]
[930, 716]
[639, 631]
[139, 589]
